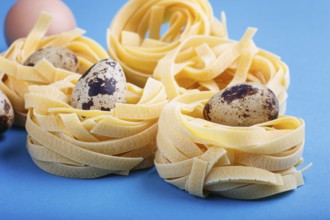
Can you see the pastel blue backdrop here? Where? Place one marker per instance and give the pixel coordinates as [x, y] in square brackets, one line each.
[298, 31]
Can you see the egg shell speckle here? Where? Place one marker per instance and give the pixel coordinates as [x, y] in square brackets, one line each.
[6, 113]
[59, 57]
[100, 87]
[244, 104]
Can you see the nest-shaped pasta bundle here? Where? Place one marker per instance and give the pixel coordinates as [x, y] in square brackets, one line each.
[15, 78]
[79, 143]
[211, 63]
[135, 35]
[203, 157]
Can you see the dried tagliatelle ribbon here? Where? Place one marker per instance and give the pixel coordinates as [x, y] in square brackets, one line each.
[15, 78]
[143, 32]
[203, 157]
[92, 143]
[211, 63]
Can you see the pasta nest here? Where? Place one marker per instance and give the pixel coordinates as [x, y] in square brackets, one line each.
[92, 143]
[135, 35]
[202, 157]
[15, 78]
[212, 64]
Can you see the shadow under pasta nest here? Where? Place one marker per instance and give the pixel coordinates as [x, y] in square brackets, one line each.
[152, 184]
[280, 196]
[132, 174]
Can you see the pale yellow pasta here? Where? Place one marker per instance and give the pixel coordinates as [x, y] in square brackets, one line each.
[15, 78]
[211, 63]
[203, 157]
[91, 143]
[135, 40]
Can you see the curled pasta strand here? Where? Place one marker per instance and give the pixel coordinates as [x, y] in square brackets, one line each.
[210, 63]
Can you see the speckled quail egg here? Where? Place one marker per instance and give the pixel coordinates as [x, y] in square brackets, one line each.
[244, 104]
[59, 57]
[6, 113]
[100, 87]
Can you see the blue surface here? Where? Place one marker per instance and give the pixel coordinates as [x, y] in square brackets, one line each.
[299, 31]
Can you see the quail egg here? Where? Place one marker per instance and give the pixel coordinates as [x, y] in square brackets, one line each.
[59, 57]
[100, 87]
[6, 113]
[244, 104]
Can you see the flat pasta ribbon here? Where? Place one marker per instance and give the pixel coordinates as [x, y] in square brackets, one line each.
[15, 78]
[135, 35]
[91, 143]
[212, 64]
[203, 157]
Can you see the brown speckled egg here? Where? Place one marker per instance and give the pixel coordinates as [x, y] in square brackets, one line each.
[100, 87]
[6, 113]
[59, 57]
[244, 104]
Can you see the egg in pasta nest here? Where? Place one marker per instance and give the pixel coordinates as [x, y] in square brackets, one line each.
[224, 131]
[241, 162]
[41, 60]
[93, 125]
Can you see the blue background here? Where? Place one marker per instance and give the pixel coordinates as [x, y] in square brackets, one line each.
[298, 31]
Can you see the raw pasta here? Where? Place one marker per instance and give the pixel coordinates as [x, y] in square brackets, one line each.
[91, 143]
[203, 157]
[135, 40]
[211, 63]
[15, 78]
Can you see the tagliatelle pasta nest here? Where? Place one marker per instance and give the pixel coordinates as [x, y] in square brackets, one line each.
[92, 143]
[211, 63]
[15, 78]
[202, 157]
[135, 35]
